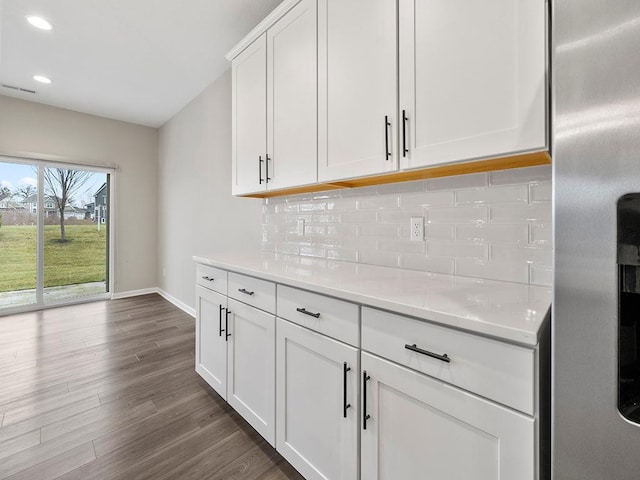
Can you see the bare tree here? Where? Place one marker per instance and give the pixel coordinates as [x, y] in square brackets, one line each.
[5, 192]
[24, 191]
[62, 184]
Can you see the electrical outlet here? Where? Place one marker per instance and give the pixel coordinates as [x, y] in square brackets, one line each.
[300, 227]
[417, 229]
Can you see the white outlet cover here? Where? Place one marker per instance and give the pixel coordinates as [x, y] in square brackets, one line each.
[417, 229]
[300, 227]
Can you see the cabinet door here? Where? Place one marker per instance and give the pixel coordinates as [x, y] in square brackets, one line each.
[292, 98]
[422, 428]
[315, 432]
[211, 344]
[472, 79]
[251, 367]
[357, 88]
[249, 112]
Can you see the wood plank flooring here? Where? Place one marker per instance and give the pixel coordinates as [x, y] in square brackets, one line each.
[107, 390]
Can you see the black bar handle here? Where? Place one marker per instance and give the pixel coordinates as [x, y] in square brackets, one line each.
[267, 169]
[209, 279]
[386, 137]
[307, 312]
[220, 321]
[260, 162]
[345, 405]
[365, 416]
[405, 150]
[245, 291]
[442, 358]
[226, 325]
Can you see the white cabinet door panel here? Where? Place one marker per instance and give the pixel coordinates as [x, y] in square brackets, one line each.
[422, 428]
[357, 87]
[312, 430]
[211, 347]
[251, 367]
[472, 78]
[249, 107]
[292, 100]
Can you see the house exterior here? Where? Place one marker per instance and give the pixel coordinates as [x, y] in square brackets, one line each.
[100, 204]
[50, 207]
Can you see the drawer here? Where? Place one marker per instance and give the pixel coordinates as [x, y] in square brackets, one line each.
[490, 368]
[253, 291]
[211, 278]
[335, 318]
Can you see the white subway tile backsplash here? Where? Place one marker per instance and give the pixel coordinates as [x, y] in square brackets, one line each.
[473, 180]
[431, 199]
[461, 214]
[541, 233]
[489, 225]
[535, 212]
[427, 264]
[494, 233]
[378, 203]
[540, 192]
[440, 248]
[401, 246]
[521, 175]
[506, 194]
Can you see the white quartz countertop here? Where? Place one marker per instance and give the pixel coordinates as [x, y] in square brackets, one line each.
[508, 311]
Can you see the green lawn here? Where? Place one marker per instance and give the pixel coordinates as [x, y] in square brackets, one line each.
[82, 259]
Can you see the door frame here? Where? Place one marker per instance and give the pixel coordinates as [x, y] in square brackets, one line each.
[41, 164]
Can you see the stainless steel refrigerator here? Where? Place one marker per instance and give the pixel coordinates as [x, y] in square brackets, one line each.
[596, 306]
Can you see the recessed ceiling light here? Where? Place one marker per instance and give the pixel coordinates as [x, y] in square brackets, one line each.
[41, 79]
[39, 22]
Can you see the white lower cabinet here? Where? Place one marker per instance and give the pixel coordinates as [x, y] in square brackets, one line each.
[251, 366]
[211, 342]
[414, 426]
[317, 403]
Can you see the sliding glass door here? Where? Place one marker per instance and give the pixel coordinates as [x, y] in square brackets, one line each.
[54, 236]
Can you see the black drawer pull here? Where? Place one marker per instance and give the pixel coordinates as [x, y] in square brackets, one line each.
[365, 415]
[345, 405]
[307, 312]
[209, 279]
[442, 358]
[246, 292]
[220, 321]
[226, 325]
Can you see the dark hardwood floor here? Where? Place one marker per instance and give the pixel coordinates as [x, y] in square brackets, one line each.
[108, 390]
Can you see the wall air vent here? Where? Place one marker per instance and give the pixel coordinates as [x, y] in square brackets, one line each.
[11, 87]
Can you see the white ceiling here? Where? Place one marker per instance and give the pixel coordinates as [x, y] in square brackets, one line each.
[139, 61]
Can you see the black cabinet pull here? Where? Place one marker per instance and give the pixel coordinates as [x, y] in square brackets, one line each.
[220, 321]
[226, 325]
[386, 138]
[245, 291]
[267, 168]
[260, 162]
[365, 416]
[307, 312]
[345, 405]
[405, 150]
[442, 358]
[209, 279]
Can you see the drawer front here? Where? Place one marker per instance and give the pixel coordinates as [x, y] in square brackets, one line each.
[335, 318]
[490, 368]
[253, 291]
[211, 278]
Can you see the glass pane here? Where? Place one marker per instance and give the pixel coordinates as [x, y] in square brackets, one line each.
[18, 234]
[75, 233]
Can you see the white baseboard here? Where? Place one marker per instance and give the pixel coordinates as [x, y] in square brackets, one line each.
[181, 305]
[134, 293]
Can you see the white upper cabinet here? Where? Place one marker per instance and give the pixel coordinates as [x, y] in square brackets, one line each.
[472, 79]
[357, 88]
[249, 110]
[275, 110]
[292, 102]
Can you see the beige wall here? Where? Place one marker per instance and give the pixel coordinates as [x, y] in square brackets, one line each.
[37, 131]
[197, 214]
